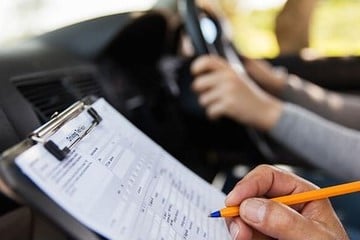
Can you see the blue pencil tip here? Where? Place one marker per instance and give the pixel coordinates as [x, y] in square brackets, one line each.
[215, 214]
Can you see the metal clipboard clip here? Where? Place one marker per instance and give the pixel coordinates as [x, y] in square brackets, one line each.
[41, 134]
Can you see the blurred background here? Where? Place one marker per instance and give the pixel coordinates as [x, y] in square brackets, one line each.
[331, 25]
[22, 18]
[331, 28]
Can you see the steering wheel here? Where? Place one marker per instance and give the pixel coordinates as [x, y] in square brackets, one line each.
[207, 36]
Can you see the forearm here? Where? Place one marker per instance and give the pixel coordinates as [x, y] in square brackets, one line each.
[340, 108]
[329, 146]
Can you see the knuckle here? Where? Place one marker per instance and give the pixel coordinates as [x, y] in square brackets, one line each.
[197, 65]
[202, 98]
[264, 168]
[197, 84]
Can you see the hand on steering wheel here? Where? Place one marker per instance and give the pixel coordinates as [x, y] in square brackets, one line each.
[208, 38]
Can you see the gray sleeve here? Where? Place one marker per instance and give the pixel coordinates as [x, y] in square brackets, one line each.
[324, 144]
[340, 108]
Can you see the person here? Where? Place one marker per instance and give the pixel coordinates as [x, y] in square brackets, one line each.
[224, 92]
[261, 218]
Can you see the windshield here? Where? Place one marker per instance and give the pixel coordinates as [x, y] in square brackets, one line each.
[24, 18]
[252, 21]
[268, 28]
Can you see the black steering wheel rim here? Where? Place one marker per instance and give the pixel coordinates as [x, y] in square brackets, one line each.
[190, 12]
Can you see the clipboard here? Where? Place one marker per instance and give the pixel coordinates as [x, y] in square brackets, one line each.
[117, 184]
[31, 194]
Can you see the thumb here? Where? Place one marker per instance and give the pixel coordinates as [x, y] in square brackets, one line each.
[279, 221]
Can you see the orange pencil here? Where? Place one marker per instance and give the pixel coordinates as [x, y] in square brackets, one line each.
[313, 195]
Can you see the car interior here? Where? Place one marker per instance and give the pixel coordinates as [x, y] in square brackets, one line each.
[134, 61]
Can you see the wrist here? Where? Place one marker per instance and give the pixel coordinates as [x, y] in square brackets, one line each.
[270, 114]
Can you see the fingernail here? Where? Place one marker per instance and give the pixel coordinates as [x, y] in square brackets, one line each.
[234, 230]
[253, 210]
[229, 195]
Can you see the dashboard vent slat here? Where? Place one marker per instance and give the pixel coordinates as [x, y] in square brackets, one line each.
[55, 91]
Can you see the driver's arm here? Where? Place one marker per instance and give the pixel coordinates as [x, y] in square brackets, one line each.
[225, 93]
[340, 108]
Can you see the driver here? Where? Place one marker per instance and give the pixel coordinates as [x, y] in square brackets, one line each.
[224, 92]
[264, 219]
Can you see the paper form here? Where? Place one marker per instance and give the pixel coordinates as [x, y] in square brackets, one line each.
[121, 184]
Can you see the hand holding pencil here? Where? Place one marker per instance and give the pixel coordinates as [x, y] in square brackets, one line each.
[262, 218]
[303, 197]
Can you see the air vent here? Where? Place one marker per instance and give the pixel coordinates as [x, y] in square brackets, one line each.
[55, 91]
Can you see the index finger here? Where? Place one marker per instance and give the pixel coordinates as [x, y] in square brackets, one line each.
[267, 181]
[207, 63]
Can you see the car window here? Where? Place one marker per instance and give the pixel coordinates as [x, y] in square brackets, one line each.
[332, 28]
[23, 18]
